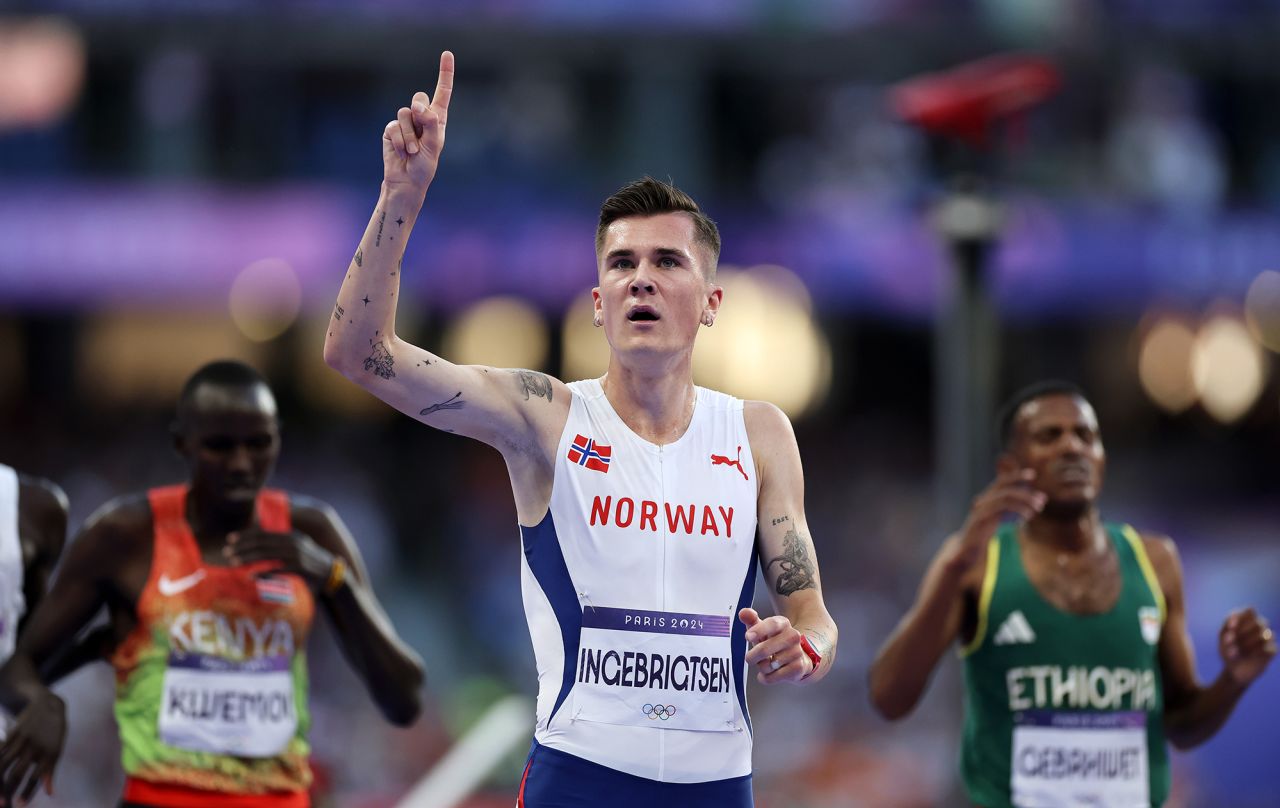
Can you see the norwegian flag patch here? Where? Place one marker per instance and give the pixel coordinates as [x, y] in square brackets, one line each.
[586, 452]
[275, 590]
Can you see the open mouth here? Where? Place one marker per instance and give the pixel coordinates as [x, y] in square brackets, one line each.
[1074, 474]
[643, 314]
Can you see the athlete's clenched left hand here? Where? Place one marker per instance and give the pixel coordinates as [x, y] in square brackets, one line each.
[291, 552]
[775, 649]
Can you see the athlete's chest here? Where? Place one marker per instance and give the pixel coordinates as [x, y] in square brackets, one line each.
[651, 518]
[1084, 588]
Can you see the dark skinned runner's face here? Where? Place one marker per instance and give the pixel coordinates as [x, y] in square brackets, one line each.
[1057, 436]
[230, 438]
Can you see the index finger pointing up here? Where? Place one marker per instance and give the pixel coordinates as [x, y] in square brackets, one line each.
[444, 86]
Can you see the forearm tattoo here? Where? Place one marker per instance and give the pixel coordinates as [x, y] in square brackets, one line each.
[531, 383]
[796, 570]
[380, 361]
[359, 258]
[382, 219]
[338, 311]
[454, 402]
[819, 642]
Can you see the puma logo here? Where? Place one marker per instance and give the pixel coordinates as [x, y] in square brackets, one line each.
[723, 460]
[172, 586]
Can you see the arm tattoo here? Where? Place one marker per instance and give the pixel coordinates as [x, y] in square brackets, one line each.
[820, 642]
[781, 519]
[338, 311]
[796, 568]
[533, 383]
[454, 402]
[377, 242]
[380, 361]
[359, 258]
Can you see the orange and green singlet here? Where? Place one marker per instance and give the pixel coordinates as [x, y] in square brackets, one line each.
[211, 685]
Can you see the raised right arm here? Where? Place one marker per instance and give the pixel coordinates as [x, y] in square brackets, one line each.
[495, 406]
[904, 664]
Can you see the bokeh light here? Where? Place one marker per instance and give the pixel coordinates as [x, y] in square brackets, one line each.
[765, 343]
[265, 298]
[42, 67]
[130, 357]
[500, 331]
[1228, 368]
[1164, 365]
[1262, 309]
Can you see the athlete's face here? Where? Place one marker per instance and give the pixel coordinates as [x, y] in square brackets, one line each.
[1057, 436]
[654, 290]
[230, 439]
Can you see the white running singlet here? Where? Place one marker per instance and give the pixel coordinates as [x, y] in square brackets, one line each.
[13, 604]
[632, 583]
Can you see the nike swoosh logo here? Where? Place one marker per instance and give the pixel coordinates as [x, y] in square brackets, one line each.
[172, 586]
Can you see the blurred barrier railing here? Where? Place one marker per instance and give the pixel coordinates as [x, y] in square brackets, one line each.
[461, 771]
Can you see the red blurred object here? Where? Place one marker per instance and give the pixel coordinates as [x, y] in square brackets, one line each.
[968, 100]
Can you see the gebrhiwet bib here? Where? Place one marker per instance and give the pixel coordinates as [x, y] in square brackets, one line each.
[1070, 759]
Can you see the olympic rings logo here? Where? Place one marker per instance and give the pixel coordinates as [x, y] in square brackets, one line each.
[659, 711]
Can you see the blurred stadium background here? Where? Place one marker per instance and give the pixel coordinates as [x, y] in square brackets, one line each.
[186, 180]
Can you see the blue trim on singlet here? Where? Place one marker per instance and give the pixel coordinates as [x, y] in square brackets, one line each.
[546, 562]
[556, 779]
[739, 642]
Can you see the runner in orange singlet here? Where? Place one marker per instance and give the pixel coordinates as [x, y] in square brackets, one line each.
[211, 588]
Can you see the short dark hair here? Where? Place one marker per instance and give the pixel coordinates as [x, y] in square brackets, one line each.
[1008, 413]
[649, 197]
[222, 373]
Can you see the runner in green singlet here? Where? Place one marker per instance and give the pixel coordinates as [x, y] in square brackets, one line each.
[1077, 662]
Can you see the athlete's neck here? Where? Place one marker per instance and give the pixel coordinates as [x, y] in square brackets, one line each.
[1078, 533]
[212, 519]
[656, 406]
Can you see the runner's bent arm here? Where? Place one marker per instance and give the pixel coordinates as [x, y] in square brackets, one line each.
[496, 407]
[391, 670]
[85, 582]
[945, 606]
[78, 591]
[44, 506]
[902, 668]
[1193, 712]
[787, 556]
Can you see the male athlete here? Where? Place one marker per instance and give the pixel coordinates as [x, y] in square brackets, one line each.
[33, 529]
[638, 495]
[1077, 661]
[210, 587]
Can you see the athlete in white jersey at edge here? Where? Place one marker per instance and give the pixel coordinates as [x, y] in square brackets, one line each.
[645, 503]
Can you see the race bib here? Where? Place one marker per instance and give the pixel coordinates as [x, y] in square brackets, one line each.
[1079, 759]
[212, 704]
[655, 669]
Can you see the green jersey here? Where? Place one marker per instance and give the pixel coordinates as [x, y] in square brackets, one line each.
[1065, 709]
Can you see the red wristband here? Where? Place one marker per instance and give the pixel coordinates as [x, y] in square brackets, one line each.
[813, 655]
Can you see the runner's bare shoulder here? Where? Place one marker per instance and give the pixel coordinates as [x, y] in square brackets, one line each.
[117, 531]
